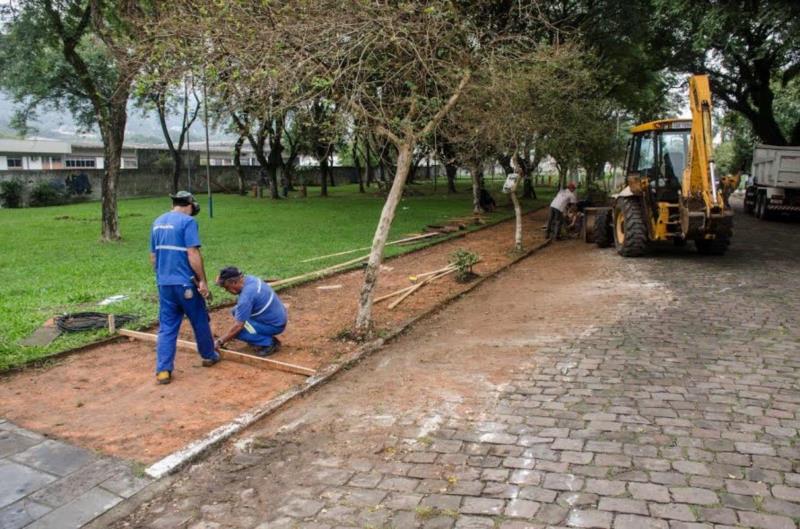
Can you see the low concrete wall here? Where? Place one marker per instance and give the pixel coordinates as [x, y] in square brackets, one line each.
[155, 181]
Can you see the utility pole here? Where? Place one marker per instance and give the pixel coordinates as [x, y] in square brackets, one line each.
[208, 150]
[188, 135]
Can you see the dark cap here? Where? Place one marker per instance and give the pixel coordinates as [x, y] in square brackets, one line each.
[229, 272]
[183, 197]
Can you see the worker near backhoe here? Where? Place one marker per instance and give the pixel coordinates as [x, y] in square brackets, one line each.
[558, 207]
[259, 314]
[182, 288]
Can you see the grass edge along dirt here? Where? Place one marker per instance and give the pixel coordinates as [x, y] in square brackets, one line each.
[54, 263]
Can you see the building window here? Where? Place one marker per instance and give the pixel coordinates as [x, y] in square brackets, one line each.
[130, 163]
[14, 162]
[80, 162]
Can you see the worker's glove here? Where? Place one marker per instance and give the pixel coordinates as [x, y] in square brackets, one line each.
[218, 343]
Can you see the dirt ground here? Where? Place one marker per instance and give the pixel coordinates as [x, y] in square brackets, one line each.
[451, 369]
[106, 399]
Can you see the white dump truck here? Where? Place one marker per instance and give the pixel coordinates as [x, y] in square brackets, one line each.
[774, 185]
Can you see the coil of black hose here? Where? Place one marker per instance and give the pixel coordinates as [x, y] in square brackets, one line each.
[86, 321]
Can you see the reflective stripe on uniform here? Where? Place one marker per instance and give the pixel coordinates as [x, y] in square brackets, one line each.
[249, 328]
[169, 247]
[269, 302]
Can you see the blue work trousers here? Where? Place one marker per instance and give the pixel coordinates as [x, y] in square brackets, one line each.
[259, 334]
[172, 306]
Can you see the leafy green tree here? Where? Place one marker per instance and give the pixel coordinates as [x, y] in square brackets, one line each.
[748, 47]
[78, 55]
[735, 153]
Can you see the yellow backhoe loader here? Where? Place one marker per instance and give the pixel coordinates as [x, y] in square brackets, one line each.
[671, 191]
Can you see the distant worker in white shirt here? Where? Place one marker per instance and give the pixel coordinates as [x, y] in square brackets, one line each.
[558, 207]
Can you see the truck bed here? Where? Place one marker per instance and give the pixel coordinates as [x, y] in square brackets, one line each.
[775, 166]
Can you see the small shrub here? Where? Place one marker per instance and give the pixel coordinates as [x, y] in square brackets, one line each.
[11, 193]
[46, 194]
[464, 260]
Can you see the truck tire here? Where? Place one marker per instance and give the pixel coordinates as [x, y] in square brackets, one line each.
[630, 230]
[762, 207]
[716, 246]
[603, 232]
[749, 202]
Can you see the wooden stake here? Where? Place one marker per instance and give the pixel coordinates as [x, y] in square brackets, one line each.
[426, 274]
[416, 287]
[400, 241]
[227, 354]
[392, 294]
[412, 278]
[318, 273]
[112, 324]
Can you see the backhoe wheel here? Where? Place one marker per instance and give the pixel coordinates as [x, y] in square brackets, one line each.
[603, 231]
[716, 246]
[630, 230]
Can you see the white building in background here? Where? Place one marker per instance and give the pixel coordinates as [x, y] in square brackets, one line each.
[33, 155]
[48, 155]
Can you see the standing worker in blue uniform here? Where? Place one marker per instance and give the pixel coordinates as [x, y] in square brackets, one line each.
[182, 288]
[259, 313]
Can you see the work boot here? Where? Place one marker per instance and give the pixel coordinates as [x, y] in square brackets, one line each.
[208, 362]
[269, 349]
[163, 377]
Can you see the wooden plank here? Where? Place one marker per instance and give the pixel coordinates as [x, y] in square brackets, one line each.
[400, 241]
[318, 273]
[227, 354]
[392, 294]
[419, 285]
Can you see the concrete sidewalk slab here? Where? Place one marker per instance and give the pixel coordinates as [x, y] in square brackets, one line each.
[45, 483]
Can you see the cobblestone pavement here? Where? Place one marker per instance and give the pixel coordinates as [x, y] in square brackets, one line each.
[658, 393]
[49, 484]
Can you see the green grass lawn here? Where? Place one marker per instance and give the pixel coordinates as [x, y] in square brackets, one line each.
[51, 261]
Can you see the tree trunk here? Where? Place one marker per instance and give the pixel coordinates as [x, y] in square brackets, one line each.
[274, 160]
[357, 164]
[519, 168]
[427, 167]
[237, 162]
[113, 137]
[330, 170]
[562, 177]
[161, 110]
[451, 170]
[323, 169]
[364, 317]
[288, 169]
[527, 187]
[272, 175]
[177, 169]
[477, 185]
[368, 162]
[518, 219]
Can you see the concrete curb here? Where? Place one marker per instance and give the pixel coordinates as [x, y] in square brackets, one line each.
[197, 448]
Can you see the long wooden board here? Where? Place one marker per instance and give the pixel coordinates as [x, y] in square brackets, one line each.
[227, 354]
[390, 243]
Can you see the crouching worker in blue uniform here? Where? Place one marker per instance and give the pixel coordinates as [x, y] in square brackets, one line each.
[259, 313]
[182, 288]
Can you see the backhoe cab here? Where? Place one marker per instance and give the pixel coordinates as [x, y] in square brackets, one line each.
[671, 192]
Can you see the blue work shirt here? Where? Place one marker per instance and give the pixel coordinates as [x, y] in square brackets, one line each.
[258, 302]
[171, 237]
